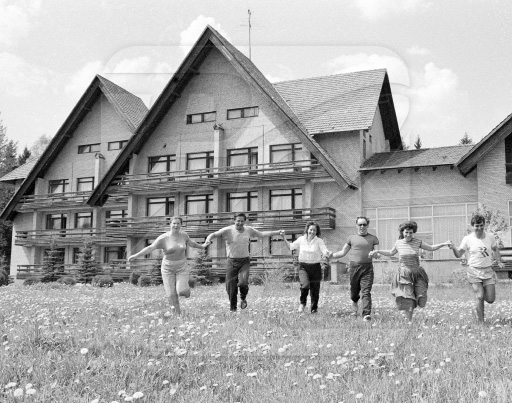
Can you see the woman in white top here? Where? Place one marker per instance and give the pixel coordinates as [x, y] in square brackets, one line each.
[175, 270]
[311, 248]
[480, 246]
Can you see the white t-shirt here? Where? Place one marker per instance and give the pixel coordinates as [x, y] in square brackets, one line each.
[479, 250]
[309, 252]
[237, 243]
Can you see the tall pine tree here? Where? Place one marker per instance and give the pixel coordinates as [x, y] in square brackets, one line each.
[53, 263]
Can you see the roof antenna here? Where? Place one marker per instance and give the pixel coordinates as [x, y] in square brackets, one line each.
[249, 12]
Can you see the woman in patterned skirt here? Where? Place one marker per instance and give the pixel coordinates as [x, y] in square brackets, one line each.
[410, 284]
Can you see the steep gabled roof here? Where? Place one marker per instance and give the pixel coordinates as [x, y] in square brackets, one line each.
[424, 157]
[129, 107]
[468, 162]
[335, 103]
[209, 40]
[21, 172]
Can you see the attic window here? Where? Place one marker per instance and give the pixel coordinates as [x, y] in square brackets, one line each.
[201, 117]
[508, 160]
[116, 145]
[243, 112]
[89, 148]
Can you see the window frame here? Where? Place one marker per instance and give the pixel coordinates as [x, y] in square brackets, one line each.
[57, 182]
[169, 159]
[243, 112]
[250, 152]
[251, 196]
[203, 116]
[207, 198]
[85, 180]
[54, 217]
[89, 148]
[84, 214]
[168, 201]
[120, 145]
[294, 149]
[294, 192]
[120, 250]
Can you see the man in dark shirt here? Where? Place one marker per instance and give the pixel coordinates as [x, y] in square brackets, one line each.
[360, 266]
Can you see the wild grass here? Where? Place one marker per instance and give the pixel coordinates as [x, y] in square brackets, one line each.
[87, 344]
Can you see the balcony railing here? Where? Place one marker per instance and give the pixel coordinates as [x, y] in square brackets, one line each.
[218, 176]
[62, 237]
[67, 199]
[203, 224]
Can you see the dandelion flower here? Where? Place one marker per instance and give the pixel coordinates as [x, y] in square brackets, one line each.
[10, 385]
[84, 351]
[359, 396]
[138, 395]
[229, 374]
[18, 392]
[28, 386]
[31, 391]
[252, 374]
[482, 393]
[95, 401]
[323, 386]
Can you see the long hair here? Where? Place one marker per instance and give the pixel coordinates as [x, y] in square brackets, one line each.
[310, 223]
[407, 225]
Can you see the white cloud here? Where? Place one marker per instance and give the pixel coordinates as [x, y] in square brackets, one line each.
[79, 82]
[15, 19]
[375, 9]
[437, 107]
[190, 35]
[397, 70]
[418, 51]
[19, 78]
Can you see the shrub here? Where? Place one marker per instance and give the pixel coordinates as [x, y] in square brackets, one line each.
[67, 280]
[134, 277]
[4, 277]
[31, 280]
[255, 279]
[156, 272]
[201, 270]
[388, 274]
[102, 280]
[458, 277]
[144, 281]
[53, 265]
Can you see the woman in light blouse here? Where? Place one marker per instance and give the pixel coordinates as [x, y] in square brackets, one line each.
[311, 249]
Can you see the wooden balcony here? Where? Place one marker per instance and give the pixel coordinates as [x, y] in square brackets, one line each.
[203, 224]
[62, 237]
[212, 177]
[62, 200]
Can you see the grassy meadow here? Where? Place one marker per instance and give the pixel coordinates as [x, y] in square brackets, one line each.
[87, 344]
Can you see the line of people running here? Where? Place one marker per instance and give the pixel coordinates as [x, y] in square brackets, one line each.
[409, 285]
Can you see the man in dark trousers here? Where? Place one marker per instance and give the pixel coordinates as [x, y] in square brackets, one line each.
[360, 266]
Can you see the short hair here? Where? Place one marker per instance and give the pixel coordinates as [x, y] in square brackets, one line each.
[309, 224]
[477, 219]
[407, 225]
[176, 217]
[363, 218]
[240, 215]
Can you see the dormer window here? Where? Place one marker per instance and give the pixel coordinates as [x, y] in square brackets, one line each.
[508, 160]
[89, 148]
[240, 113]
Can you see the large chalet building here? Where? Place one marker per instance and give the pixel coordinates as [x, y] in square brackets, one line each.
[221, 139]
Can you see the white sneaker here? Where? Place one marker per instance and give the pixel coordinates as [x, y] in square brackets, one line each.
[301, 308]
[367, 318]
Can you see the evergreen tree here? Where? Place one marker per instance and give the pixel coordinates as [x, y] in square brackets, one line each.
[495, 222]
[53, 264]
[24, 156]
[156, 273]
[465, 140]
[88, 267]
[417, 143]
[404, 144]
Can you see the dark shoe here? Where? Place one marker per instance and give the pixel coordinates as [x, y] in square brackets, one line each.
[243, 304]
[314, 311]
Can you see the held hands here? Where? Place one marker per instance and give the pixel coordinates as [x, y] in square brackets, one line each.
[449, 244]
[130, 258]
[282, 232]
[206, 244]
[374, 254]
[501, 265]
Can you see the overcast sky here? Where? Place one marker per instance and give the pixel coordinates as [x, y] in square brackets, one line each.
[449, 62]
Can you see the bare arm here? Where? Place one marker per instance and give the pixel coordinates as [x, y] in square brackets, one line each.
[194, 244]
[209, 238]
[342, 252]
[389, 253]
[497, 256]
[263, 234]
[145, 251]
[432, 248]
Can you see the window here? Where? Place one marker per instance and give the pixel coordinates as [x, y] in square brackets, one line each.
[277, 245]
[286, 199]
[76, 255]
[57, 186]
[114, 253]
[242, 201]
[57, 255]
[200, 161]
[243, 112]
[243, 156]
[285, 152]
[508, 159]
[198, 204]
[85, 184]
[56, 221]
[162, 163]
[116, 214]
[364, 149]
[89, 148]
[116, 145]
[436, 224]
[201, 117]
[160, 206]
[83, 220]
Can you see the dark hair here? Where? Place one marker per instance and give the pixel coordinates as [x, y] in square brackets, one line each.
[477, 219]
[363, 218]
[176, 217]
[407, 225]
[240, 215]
[309, 224]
